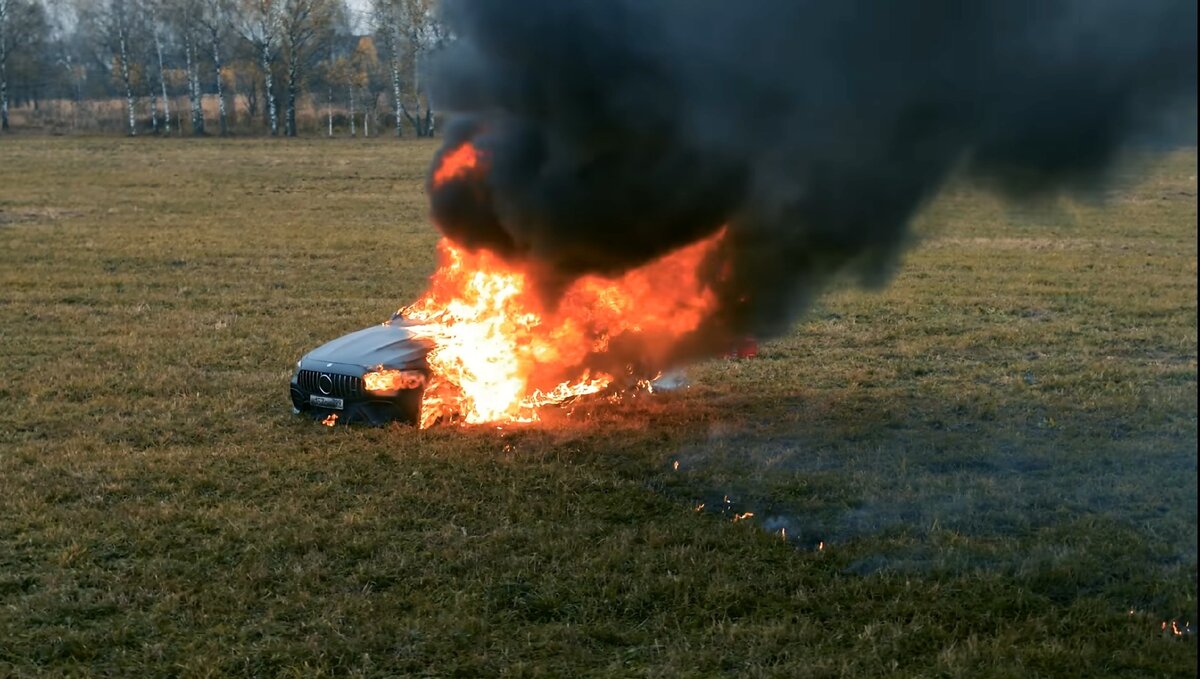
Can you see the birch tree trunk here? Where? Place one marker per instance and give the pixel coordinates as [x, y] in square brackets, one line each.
[77, 90]
[353, 131]
[292, 85]
[216, 52]
[162, 81]
[329, 109]
[269, 84]
[416, 90]
[122, 39]
[396, 95]
[3, 83]
[153, 111]
[4, 19]
[398, 101]
[193, 88]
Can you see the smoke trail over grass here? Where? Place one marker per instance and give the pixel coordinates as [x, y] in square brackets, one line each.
[613, 131]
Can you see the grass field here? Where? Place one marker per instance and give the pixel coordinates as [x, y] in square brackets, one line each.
[987, 468]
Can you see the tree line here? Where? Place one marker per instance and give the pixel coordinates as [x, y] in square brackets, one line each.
[197, 67]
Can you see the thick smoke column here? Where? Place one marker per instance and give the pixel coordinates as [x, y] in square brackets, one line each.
[613, 131]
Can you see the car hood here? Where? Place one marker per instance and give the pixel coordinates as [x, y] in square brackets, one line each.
[389, 345]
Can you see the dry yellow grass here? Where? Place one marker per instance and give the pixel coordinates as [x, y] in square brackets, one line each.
[997, 452]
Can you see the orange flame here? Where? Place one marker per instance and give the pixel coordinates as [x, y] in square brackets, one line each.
[455, 164]
[500, 353]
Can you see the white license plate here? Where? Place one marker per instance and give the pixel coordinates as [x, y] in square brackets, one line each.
[325, 401]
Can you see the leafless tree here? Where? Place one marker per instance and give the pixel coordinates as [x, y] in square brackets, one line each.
[215, 17]
[7, 8]
[386, 15]
[156, 27]
[117, 23]
[410, 30]
[259, 22]
[186, 21]
[425, 33]
[372, 79]
[22, 24]
[247, 79]
[150, 52]
[302, 24]
[62, 20]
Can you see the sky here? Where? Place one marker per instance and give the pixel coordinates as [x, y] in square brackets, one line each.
[360, 9]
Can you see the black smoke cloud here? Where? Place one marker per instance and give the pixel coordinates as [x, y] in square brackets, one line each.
[614, 131]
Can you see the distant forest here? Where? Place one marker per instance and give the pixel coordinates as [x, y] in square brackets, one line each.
[217, 67]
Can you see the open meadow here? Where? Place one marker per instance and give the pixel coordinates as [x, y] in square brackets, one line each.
[987, 468]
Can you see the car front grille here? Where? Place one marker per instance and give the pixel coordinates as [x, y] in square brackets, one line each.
[343, 386]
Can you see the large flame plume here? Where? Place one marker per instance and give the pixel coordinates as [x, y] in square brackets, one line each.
[502, 350]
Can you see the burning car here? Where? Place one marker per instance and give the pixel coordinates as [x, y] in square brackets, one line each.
[481, 346]
[375, 375]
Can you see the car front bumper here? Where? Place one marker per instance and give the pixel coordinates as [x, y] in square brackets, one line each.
[357, 406]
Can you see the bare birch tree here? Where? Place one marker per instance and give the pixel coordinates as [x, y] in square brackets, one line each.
[387, 18]
[259, 23]
[302, 25]
[7, 9]
[115, 20]
[424, 33]
[121, 9]
[156, 26]
[215, 17]
[410, 30]
[195, 95]
[115, 31]
[186, 21]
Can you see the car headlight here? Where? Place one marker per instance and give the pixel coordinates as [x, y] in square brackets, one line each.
[384, 381]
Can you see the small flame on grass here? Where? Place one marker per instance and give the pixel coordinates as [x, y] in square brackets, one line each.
[698, 508]
[1176, 630]
[330, 420]
[821, 546]
[675, 465]
[744, 515]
